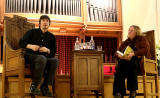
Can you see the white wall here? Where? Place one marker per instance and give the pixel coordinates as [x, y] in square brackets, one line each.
[143, 13]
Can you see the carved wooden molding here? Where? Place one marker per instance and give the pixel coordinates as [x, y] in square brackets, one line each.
[14, 29]
[1, 27]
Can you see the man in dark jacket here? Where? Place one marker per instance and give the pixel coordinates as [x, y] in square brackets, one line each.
[40, 48]
[127, 66]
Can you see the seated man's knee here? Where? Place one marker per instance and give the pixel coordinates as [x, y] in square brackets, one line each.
[41, 59]
[55, 61]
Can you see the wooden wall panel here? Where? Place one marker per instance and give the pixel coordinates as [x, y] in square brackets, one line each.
[1, 10]
[0, 85]
[63, 87]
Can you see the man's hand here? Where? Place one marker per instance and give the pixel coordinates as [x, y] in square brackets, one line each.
[44, 49]
[33, 47]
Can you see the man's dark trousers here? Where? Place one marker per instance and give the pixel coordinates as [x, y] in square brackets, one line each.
[42, 66]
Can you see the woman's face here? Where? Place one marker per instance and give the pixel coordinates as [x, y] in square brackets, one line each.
[131, 33]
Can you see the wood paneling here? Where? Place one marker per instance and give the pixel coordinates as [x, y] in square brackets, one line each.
[87, 72]
[63, 86]
[1, 68]
[0, 85]
[1, 10]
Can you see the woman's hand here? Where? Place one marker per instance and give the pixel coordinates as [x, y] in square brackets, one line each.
[120, 56]
[129, 56]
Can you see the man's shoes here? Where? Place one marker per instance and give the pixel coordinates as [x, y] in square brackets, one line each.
[132, 94]
[118, 95]
[34, 90]
[45, 91]
[132, 97]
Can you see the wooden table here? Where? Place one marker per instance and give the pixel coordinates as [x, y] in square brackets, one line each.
[87, 77]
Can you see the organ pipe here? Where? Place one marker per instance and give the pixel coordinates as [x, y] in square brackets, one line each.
[97, 10]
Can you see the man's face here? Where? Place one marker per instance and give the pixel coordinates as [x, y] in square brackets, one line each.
[44, 24]
[131, 33]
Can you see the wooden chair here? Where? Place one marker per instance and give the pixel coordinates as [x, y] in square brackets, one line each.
[150, 66]
[13, 60]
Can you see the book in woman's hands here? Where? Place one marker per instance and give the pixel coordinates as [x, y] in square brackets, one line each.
[126, 52]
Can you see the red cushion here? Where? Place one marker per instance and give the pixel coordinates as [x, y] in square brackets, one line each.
[108, 73]
[107, 69]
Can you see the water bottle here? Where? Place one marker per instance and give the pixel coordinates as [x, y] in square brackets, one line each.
[92, 43]
[77, 44]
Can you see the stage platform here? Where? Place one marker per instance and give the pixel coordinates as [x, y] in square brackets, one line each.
[63, 86]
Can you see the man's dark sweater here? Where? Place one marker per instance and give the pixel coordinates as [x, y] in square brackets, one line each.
[37, 37]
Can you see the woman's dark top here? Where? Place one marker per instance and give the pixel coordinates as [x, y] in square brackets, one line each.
[139, 44]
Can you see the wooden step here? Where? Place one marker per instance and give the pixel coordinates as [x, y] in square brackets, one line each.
[27, 95]
[62, 87]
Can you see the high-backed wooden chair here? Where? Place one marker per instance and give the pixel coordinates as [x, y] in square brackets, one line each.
[13, 60]
[150, 65]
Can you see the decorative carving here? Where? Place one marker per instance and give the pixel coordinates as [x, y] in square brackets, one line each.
[15, 29]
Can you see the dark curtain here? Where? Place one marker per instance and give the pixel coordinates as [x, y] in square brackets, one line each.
[109, 46]
[65, 45]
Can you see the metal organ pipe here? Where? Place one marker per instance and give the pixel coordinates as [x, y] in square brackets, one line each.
[102, 10]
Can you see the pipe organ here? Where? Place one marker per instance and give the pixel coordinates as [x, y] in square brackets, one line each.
[58, 7]
[102, 10]
[97, 10]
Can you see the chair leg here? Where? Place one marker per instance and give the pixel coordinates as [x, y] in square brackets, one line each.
[144, 85]
[75, 94]
[21, 86]
[157, 86]
[4, 85]
[53, 88]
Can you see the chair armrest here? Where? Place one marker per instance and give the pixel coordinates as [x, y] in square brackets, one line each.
[150, 66]
[13, 59]
[12, 53]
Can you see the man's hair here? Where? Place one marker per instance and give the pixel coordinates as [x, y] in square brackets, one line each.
[44, 17]
[137, 30]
